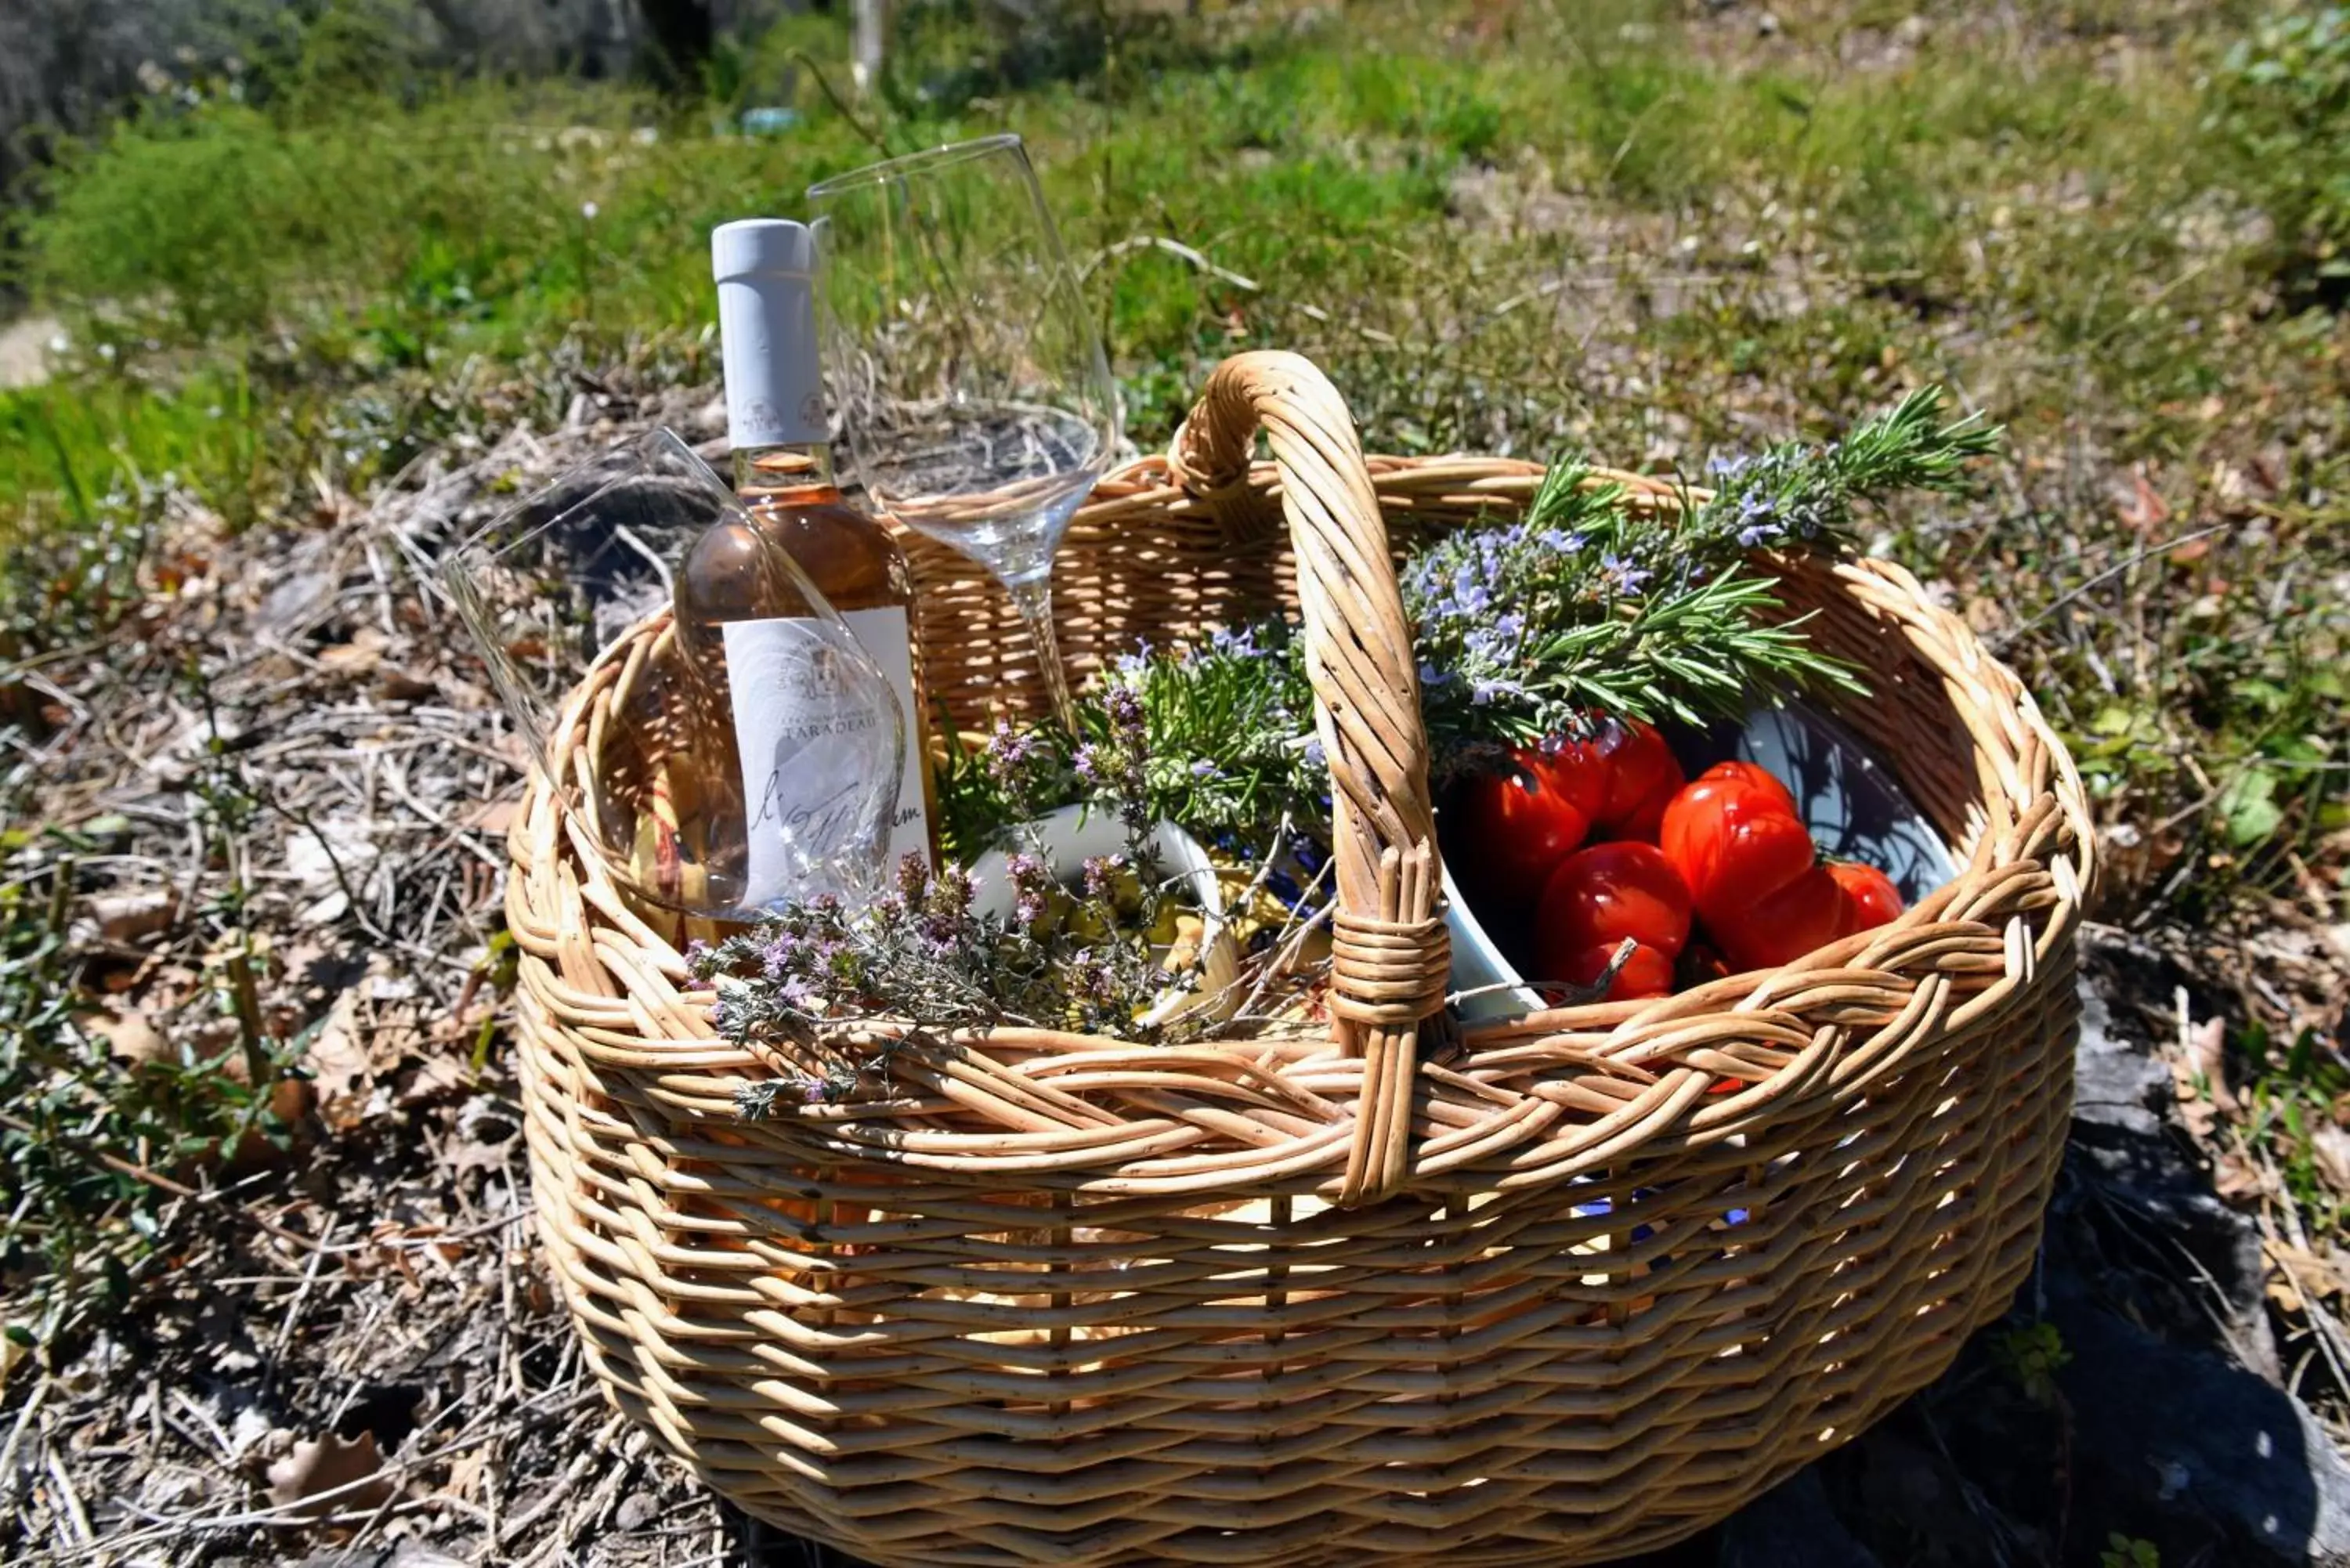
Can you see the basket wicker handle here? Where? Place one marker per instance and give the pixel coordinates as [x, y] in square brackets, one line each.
[1392, 957]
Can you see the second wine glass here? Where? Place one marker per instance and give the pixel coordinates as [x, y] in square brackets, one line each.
[964, 364]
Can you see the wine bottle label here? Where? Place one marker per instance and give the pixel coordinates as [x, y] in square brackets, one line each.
[816, 743]
[885, 635]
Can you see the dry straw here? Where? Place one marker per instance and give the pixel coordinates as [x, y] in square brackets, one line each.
[1552, 1290]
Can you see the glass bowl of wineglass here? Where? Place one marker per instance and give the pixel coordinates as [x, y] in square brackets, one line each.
[963, 364]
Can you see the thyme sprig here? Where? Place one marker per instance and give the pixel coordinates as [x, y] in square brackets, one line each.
[1086, 957]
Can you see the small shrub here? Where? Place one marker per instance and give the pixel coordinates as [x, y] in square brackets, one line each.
[2032, 1354]
[2282, 101]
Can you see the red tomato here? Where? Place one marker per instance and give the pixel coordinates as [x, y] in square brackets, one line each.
[1782, 925]
[1510, 830]
[1733, 840]
[1599, 895]
[1647, 972]
[1580, 768]
[1643, 776]
[1759, 777]
[1871, 899]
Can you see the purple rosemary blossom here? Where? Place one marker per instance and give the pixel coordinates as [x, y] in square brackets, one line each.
[1560, 542]
[1316, 757]
[719, 1014]
[796, 994]
[1201, 768]
[1132, 664]
[701, 958]
[1241, 644]
[1720, 467]
[1759, 523]
[1623, 577]
[1470, 596]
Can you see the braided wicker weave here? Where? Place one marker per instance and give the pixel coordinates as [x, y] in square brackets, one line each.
[1529, 1294]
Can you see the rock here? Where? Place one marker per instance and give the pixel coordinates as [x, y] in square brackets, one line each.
[2118, 1084]
[1791, 1526]
[2128, 1177]
[2175, 1441]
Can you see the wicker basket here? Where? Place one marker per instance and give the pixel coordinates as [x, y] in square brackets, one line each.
[1529, 1294]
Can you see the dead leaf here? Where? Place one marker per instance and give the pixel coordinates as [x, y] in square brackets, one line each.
[131, 1038]
[2144, 511]
[2206, 1050]
[493, 816]
[2236, 1180]
[404, 686]
[2301, 1277]
[2196, 1112]
[2330, 1146]
[433, 1077]
[340, 1066]
[125, 917]
[465, 1474]
[328, 860]
[332, 1476]
[359, 656]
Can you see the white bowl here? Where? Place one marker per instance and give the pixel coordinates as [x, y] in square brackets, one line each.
[1076, 834]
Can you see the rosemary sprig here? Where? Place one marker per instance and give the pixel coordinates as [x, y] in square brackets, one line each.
[1586, 606]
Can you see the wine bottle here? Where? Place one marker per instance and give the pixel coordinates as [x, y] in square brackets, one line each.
[782, 472]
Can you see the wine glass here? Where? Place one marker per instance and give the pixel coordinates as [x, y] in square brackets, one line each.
[738, 748]
[963, 364]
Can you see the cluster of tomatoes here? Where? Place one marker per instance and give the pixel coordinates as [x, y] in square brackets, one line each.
[1589, 841]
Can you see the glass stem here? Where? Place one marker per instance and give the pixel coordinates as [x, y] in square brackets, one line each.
[1033, 600]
